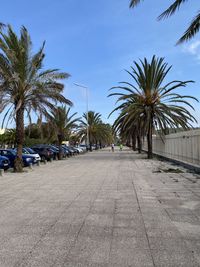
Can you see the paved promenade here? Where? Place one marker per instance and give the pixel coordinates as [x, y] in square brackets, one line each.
[101, 209]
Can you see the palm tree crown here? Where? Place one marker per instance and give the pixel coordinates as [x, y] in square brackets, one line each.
[97, 130]
[62, 123]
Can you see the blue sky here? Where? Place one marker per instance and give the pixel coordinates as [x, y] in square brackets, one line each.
[96, 40]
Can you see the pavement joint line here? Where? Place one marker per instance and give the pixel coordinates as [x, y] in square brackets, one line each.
[114, 214]
[142, 220]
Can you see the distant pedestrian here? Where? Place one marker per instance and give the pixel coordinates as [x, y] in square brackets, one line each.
[120, 147]
[113, 147]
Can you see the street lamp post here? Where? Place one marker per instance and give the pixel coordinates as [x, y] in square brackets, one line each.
[86, 94]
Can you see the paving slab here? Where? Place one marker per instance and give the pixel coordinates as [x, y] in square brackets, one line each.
[101, 209]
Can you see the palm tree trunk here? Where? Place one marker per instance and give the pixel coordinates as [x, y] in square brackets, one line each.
[60, 154]
[100, 145]
[149, 141]
[134, 142]
[18, 165]
[90, 146]
[139, 144]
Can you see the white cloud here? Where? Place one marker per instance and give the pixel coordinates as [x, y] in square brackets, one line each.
[193, 49]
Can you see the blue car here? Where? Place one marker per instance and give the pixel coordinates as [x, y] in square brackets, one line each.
[11, 155]
[4, 163]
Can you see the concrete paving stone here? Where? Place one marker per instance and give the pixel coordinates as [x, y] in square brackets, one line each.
[159, 225]
[131, 257]
[20, 242]
[8, 258]
[179, 211]
[169, 258]
[82, 264]
[96, 232]
[100, 220]
[134, 242]
[163, 233]
[188, 230]
[129, 222]
[173, 243]
[89, 249]
[194, 246]
[188, 218]
[129, 232]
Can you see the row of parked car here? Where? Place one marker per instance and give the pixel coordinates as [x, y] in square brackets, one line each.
[33, 155]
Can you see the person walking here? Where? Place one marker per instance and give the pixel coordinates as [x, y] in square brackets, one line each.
[120, 147]
[113, 147]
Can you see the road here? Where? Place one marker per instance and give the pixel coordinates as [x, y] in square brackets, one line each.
[101, 209]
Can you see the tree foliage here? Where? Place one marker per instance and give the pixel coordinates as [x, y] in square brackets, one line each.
[148, 104]
[24, 86]
[194, 26]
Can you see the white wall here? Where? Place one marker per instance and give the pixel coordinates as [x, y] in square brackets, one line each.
[183, 146]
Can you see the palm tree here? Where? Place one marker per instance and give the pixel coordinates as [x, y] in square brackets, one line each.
[24, 86]
[62, 123]
[98, 131]
[89, 126]
[154, 105]
[194, 26]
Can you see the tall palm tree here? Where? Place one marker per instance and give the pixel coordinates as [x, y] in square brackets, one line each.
[194, 26]
[24, 86]
[154, 105]
[89, 126]
[98, 131]
[62, 124]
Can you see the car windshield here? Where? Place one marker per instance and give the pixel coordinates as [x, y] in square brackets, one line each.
[31, 151]
[9, 152]
[25, 151]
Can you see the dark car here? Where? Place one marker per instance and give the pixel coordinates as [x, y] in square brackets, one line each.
[70, 151]
[65, 153]
[11, 155]
[4, 163]
[55, 151]
[44, 152]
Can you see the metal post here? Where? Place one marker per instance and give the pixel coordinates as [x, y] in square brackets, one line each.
[87, 129]
[86, 89]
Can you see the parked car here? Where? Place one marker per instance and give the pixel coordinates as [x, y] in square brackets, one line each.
[28, 151]
[54, 150]
[84, 147]
[44, 152]
[4, 163]
[79, 149]
[11, 155]
[71, 151]
[76, 150]
[65, 153]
